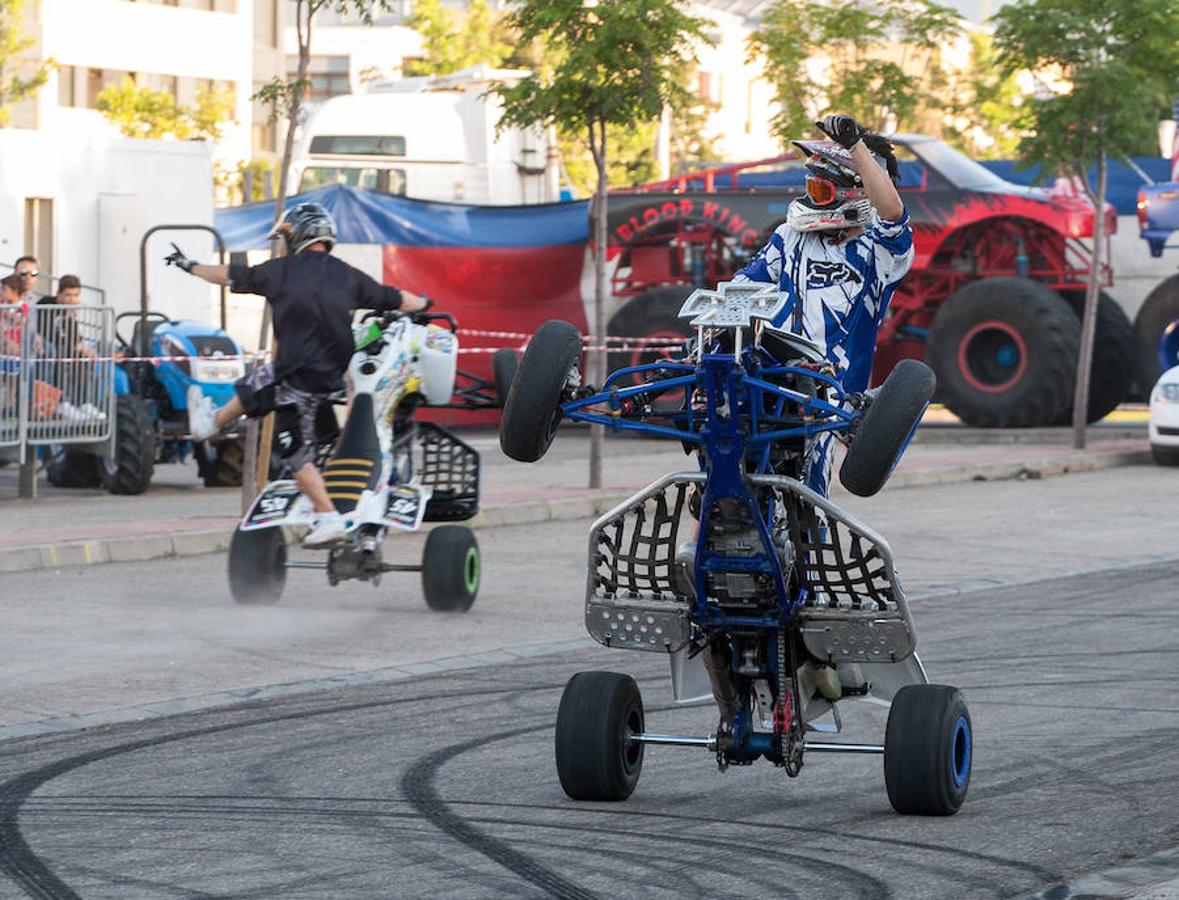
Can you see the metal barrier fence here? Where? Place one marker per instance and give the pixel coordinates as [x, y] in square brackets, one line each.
[57, 376]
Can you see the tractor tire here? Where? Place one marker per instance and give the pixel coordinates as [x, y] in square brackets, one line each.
[1005, 353]
[533, 409]
[885, 431]
[75, 469]
[503, 371]
[131, 470]
[224, 467]
[1159, 310]
[1112, 375]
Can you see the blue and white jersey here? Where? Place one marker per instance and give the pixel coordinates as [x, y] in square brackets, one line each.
[842, 288]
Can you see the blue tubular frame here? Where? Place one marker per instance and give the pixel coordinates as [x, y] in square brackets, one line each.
[730, 434]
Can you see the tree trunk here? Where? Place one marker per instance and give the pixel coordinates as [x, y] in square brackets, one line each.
[1089, 319]
[303, 33]
[597, 356]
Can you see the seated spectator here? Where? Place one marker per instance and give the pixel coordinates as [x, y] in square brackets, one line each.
[60, 326]
[26, 270]
[11, 329]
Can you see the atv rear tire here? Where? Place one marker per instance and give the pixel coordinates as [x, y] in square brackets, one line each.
[1159, 310]
[596, 760]
[887, 427]
[450, 569]
[257, 566]
[928, 746]
[131, 470]
[1112, 375]
[533, 409]
[1005, 353]
[75, 469]
[504, 364]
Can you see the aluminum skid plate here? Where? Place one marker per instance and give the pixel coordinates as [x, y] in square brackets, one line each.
[631, 596]
[855, 609]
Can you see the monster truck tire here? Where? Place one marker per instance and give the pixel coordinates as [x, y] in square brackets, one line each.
[75, 469]
[595, 758]
[1112, 375]
[927, 750]
[131, 470]
[257, 566]
[504, 364]
[224, 469]
[1005, 353]
[533, 408]
[886, 428]
[450, 569]
[1159, 310]
[652, 314]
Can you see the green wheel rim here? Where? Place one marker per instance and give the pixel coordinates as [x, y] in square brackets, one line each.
[471, 570]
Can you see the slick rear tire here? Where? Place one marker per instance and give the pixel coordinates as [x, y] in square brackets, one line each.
[887, 426]
[928, 744]
[596, 760]
[130, 472]
[504, 364]
[451, 569]
[1005, 353]
[257, 566]
[533, 408]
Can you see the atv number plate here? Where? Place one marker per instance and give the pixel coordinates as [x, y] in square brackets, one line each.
[405, 507]
[273, 505]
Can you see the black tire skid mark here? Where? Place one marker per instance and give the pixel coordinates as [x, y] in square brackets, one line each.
[25, 867]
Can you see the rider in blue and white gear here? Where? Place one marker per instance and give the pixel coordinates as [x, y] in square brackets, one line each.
[840, 254]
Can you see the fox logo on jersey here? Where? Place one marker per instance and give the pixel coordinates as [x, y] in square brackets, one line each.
[824, 273]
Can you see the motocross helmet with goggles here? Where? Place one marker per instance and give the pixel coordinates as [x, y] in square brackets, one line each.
[835, 198]
[305, 224]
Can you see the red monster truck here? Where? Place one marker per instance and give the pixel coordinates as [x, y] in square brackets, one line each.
[992, 302]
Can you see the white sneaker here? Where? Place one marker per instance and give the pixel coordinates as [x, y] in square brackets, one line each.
[69, 412]
[326, 528]
[92, 411]
[202, 415]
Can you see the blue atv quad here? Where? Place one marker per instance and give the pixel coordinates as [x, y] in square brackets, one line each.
[767, 597]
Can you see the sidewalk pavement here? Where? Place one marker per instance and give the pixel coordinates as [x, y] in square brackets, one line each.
[180, 517]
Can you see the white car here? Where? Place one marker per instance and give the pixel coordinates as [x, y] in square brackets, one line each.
[1164, 419]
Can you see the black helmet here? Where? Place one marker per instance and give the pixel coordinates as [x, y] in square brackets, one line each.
[304, 225]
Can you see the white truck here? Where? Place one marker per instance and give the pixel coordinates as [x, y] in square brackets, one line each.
[430, 138]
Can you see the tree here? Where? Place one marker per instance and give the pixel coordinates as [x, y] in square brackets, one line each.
[878, 61]
[1109, 71]
[455, 41]
[609, 64]
[145, 113]
[15, 86]
[985, 105]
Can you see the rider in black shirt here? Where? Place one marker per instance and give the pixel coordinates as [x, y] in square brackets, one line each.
[312, 295]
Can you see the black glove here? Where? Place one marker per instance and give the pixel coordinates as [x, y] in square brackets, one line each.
[844, 130]
[179, 260]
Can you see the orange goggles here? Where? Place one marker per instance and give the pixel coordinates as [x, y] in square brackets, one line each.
[820, 191]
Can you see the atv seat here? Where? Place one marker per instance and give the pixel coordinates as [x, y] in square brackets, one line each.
[356, 465]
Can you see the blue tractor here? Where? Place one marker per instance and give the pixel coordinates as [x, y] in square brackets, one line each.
[162, 359]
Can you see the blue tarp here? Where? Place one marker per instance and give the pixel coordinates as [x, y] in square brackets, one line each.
[368, 217]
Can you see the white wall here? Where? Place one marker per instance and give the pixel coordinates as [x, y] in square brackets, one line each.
[106, 192]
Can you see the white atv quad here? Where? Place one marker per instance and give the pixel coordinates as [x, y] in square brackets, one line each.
[385, 472]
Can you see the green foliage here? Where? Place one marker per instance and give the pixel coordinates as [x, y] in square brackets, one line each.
[280, 95]
[631, 159]
[608, 66]
[1107, 72]
[145, 113]
[878, 61]
[15, 86]
[456, 40]
[985, 103]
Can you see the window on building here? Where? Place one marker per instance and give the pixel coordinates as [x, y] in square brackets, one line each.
[358, 145]
[67, 93]
[328, 76]
[94, 87]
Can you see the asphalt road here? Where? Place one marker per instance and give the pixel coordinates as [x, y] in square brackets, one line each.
[444, 785]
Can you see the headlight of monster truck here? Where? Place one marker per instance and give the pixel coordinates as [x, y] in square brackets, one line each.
[212, 370]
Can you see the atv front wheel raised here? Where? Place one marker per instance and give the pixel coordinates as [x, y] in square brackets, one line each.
[596, 757]
[533, 408]
[257, 565]
[451, 569]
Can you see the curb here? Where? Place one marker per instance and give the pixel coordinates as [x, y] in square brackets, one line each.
[139, 548]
